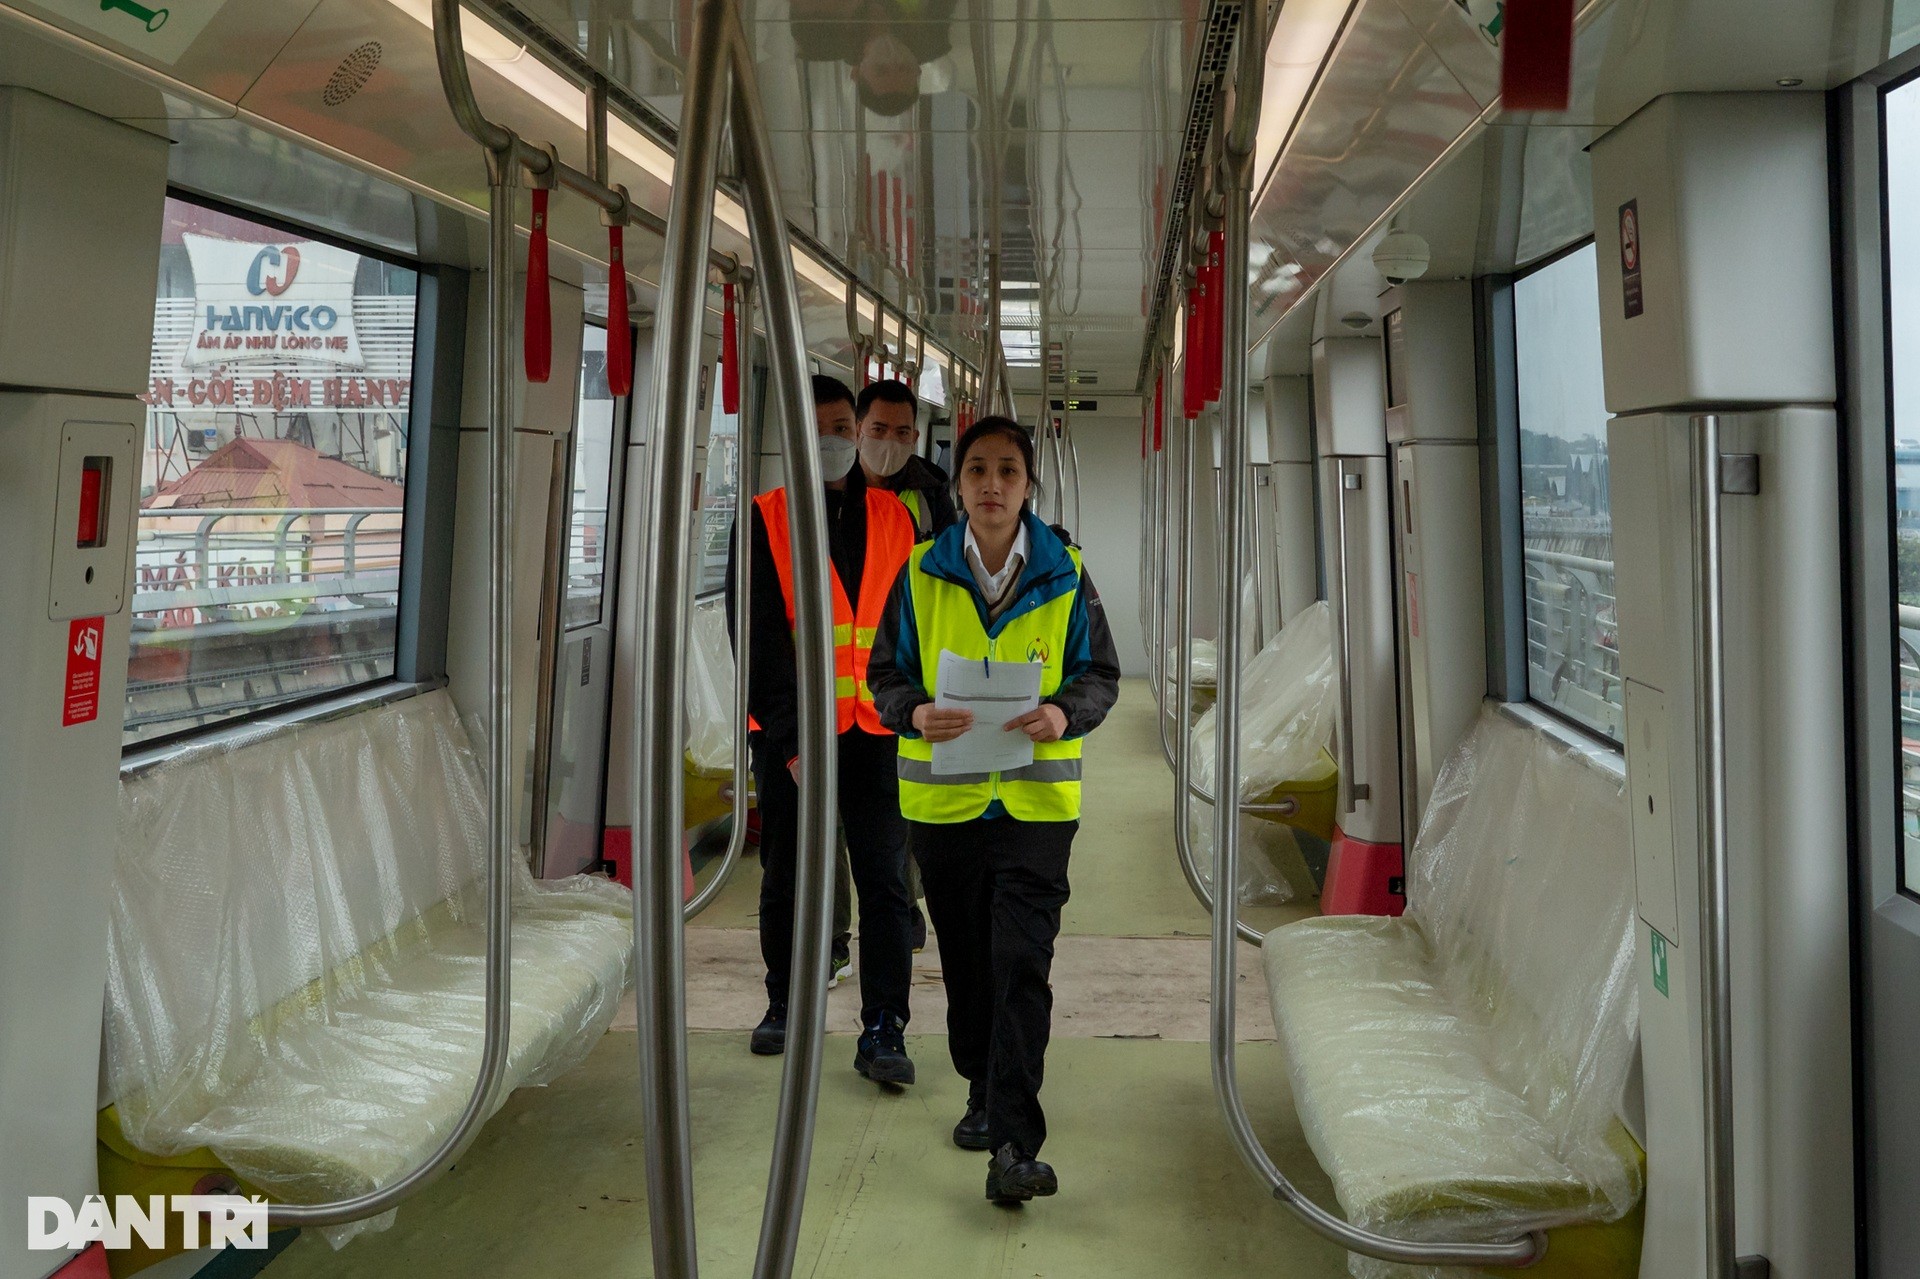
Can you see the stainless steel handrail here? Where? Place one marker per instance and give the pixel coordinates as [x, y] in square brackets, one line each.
[662, 615]
[813, 642]
[1716, 908]
[497, 1011]
[1354, 789]
[1223, 1037]
[746, 483]
[1183, 785]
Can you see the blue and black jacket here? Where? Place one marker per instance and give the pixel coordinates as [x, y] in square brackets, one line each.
[1090, 677]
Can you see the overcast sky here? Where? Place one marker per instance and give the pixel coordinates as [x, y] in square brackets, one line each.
[1556, 321]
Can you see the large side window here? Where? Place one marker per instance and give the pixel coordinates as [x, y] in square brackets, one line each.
[273, 477]
[1572, 633]
[1902, 137]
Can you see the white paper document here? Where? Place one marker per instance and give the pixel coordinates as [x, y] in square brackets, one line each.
[995, 692]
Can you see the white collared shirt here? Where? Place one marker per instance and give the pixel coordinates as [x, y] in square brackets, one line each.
[993, 585]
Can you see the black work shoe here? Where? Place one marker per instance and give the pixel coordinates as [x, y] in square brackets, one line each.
[770, 1036]
[971, 1132]
[1014, 1176]
[918, 927]
[882, 1054]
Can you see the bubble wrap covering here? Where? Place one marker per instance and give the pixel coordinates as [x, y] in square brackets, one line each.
[710, 692]
[1272, 871]
[296, 953]
[1457, 1071]
[1286, 709]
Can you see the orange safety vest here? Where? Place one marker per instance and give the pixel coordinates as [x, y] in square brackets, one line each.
[890, 539]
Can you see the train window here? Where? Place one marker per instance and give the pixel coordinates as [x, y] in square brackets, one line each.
[272, 486]
[718, 499]
[1902, 142]
[596, 427]
[1573, 658]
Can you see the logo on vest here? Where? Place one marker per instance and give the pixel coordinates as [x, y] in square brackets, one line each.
[1038, 650]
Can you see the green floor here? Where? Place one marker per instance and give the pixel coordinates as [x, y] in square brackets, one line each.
[1149, 1184]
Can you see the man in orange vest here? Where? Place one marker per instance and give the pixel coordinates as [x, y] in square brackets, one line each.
[869, 536]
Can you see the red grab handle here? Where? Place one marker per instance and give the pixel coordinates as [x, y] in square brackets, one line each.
[729, 354]
[537, 333]
[619, 335]
[1216, 315]
[1536, 55]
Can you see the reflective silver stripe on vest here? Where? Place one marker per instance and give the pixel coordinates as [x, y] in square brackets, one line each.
[1041, 770]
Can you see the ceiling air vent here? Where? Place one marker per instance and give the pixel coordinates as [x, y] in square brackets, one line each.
[352, 74]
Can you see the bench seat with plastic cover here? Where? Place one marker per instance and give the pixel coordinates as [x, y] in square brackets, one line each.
[296, 980]
[1460, 1071]
[1287, 700]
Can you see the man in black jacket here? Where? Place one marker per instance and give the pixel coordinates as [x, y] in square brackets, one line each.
[868, 799]
[888, 413]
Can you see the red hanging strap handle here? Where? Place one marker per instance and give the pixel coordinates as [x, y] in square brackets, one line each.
[1536, 55]
[729, 354]
[619, 334]
[1213, 366]
[537, 332]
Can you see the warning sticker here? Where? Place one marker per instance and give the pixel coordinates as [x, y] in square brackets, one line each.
[84, 638]
[1660, 964]
[1630, 259]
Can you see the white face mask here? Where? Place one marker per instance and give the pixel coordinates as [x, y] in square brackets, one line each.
[884, 456]
[836, 457]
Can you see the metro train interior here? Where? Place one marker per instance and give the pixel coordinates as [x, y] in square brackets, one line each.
[1494, 426]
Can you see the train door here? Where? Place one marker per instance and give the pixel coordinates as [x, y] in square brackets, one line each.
[582, 690]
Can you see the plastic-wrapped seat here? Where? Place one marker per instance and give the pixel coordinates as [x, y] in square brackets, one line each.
[1458, 1071]
[709, 766]
[296, 964]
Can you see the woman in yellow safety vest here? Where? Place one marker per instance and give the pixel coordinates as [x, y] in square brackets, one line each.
[999, 586]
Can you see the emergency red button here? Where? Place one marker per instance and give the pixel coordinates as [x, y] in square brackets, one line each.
[93, 485]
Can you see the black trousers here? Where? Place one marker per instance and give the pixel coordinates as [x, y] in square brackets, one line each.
[876, 852]
[994, 891]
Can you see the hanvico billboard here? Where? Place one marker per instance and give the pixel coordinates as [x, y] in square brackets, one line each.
[278, 302]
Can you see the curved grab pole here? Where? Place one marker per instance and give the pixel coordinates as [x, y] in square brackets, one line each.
[1184, 788]
[503, 153]
[661, 619]
[1521, 1251]
[746, 483]
[813, 641]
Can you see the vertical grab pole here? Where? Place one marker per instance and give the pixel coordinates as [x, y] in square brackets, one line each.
[813, 642]
[746, 483]
[659, 728]
[1716, 941]
[553, 593]
[1526, 1249]
[504, 150]
[1183, 787]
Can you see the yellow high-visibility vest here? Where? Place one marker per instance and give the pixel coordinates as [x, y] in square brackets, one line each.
[947, 619]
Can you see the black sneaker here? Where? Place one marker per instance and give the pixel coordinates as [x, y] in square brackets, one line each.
[882, 1053]
[918, 928]
[770, 1036]
[1014, 1176]
[971, 1132]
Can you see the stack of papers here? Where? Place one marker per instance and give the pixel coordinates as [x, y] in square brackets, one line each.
[995, 692]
